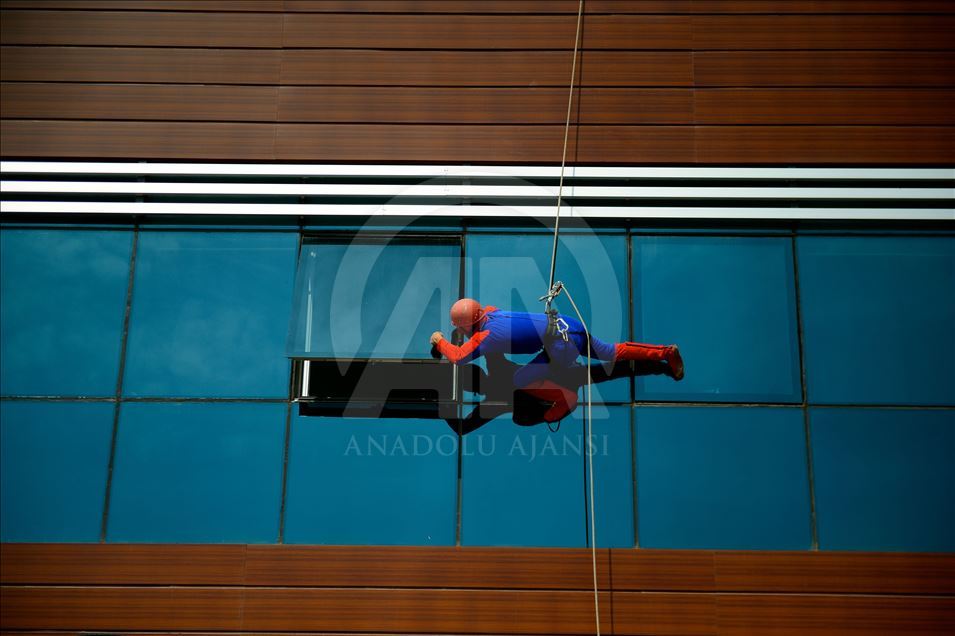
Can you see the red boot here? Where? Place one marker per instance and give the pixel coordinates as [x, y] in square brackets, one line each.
[658, 353]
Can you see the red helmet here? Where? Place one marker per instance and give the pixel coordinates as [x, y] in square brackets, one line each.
[466, 312]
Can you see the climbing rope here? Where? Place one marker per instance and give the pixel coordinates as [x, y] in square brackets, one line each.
[553, 290]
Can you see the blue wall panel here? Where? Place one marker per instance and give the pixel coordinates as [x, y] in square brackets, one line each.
[366, 481]
[210, 315]
[885, 479]
[54, 457]
[523, 485]
[61, 315]
[613, 474]
[730, 304]
[511, 272]
[722, 478]
[877, 318]
[197, 472]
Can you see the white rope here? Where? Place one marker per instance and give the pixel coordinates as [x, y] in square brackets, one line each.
[550, 297]
[588, 428]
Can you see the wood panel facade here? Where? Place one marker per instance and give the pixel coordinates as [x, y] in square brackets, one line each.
[660, 81]
[317, 589]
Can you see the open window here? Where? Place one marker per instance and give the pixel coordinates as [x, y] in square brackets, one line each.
[364, 308]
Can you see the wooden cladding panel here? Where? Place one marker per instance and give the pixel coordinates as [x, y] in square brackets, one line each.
[829, 572]
[511, 568]
[142, 28]
[443, 31]
[485, 68]
[467, 611]
[118, 608]
[824, 68]
[182, 79]
[139, 65]
[139, 102]
[121, 564]
[466, 143]
[818, 615]
[502, 6]
[261, 588]
[387, 105]
[479, 68]
[507, 568]
[825, 144]
[442, 611]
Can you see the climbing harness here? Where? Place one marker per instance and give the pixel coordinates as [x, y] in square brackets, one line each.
[557, 326]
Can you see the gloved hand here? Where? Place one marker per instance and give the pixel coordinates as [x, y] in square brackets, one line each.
[436, 337]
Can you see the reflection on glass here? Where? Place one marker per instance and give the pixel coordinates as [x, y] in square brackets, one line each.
[372, 298]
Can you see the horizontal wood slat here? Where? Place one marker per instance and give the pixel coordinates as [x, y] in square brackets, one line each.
[823, 106]
[468, 611]
[807, 32]
[817, 615]
[486, 68]
[487, 32]
[139, 65]
[139, 102]
[502, 6]
[479, 68]
[511, 568]
[832, 572]
[824, 68]
[107, 608]
[442, 611]
[622, 6]
[142, 28]
[121, 564]
[477, 567]
[474, 105]
[825, 144]
[467, 143]
[438, 31]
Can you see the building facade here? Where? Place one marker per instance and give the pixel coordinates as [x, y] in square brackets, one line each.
[212, 209]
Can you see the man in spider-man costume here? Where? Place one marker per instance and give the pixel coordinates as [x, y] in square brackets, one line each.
[492, 332]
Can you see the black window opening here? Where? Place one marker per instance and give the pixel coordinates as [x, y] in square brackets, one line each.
[364, 308]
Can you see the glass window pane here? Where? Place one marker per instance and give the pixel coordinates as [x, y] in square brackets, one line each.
[61, 316]
[730, 304]
[884, 479]
[54, 457]
[877, 319]
[197, 472]
[722, 478]
[511, 272]
[209, 314]
[523, 486]
[371, 298]
[366, 481]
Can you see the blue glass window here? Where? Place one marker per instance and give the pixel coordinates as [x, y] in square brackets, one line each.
[365, 481]
[54, 458]
[877, 319]
[209, 316]
[372, 298]
[722, 478]
[884, 479]
[511, 272]
[525, 486]
[197, 472]
[730, 304]
[61, 319]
